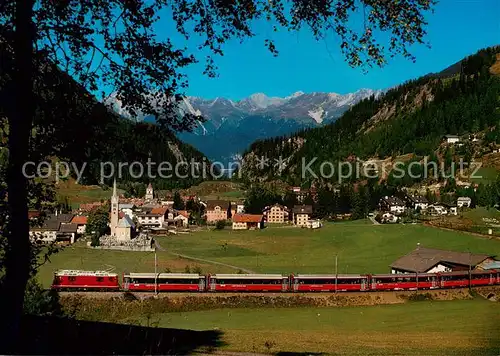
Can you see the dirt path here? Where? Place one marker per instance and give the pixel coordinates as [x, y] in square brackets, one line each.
[160, 248]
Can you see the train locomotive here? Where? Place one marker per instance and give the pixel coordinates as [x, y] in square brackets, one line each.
[98, 281]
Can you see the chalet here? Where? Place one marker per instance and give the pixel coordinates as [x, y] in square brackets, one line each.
[437, 210]
[217, 210]
[464, 202]
[55, 228]
[276, 214]
[392, 204]
[154, 217]
[314, 224]
[182, 218]
[451, 138]
[301, 214]
[415, 201]
[81, 223]
[428, 260]
[248, 221]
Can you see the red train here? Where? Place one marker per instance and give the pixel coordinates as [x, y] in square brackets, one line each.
[277, 283]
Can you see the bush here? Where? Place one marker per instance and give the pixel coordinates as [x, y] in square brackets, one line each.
[220, 225]
[198, 270]
[38, 301]
[187, 269]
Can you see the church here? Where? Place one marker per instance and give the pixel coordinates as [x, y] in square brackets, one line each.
[123, 229]
[149, 193]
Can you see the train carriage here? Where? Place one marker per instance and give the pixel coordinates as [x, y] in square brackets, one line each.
[461, 279]
[413, 281]
[248, 283]
[326, 283]
[85, 281]
[164, 282]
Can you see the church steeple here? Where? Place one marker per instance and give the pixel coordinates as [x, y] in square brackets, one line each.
[114, 210]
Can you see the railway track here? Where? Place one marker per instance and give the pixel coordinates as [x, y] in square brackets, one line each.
[146, 295]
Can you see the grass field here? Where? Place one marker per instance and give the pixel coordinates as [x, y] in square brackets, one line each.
[467, 327]
[79, 257]
[360, 246]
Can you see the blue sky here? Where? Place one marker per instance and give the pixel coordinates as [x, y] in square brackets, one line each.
[456, 29]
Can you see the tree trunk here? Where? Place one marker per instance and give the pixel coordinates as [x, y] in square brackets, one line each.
[17, 258]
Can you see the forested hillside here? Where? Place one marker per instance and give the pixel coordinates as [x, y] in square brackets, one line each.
[409, 119]
[72, 126]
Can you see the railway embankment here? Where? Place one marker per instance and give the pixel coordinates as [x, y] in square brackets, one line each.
[119, 306]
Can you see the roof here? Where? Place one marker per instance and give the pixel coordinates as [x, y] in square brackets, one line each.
[184, 213]
[302, 209]
[79, 219]
[68, 228]
[417, 199]
[275, 205]
[125, 206]
[162, 210]
[422, 259]
[246, 218]
[326, 276]
[451, 136]
[393, 201]
[126, 221]
[464, 199]
[54, 221]
[211, 204]
[164, 275]
[84, 273]
[249, 276]
[90, 206]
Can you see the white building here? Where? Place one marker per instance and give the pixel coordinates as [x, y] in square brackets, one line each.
[464, 202]
[149, 192]
[451, 138]
[122, 229]
[392, 204]
[314, 224]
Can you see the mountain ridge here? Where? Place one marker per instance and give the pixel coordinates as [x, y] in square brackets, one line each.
[239, 123]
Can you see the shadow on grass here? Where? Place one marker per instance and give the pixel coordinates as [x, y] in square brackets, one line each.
[50, 336]
[299, 353]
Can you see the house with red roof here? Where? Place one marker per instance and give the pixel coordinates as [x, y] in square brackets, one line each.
[248, 221]
[81, 222]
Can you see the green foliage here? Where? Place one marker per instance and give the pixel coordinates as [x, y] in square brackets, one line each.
[187, 269]
[462, 104]
[197, 269]
[97, 223]
[38, 301]
[220, 225]
[258, 197]
[178, 202]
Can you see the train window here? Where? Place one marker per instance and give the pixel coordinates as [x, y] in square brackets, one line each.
[99, 279]
[72, 278]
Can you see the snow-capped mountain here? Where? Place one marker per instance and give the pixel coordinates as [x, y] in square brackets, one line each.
[231, 126]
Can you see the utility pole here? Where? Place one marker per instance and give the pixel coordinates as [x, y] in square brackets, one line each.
[156, 273]
[470, 274]
[336, 273]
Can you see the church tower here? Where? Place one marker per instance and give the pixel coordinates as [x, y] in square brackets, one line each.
[149, 192]
[114, 210]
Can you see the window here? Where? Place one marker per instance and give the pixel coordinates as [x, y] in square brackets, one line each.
[99, 279]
